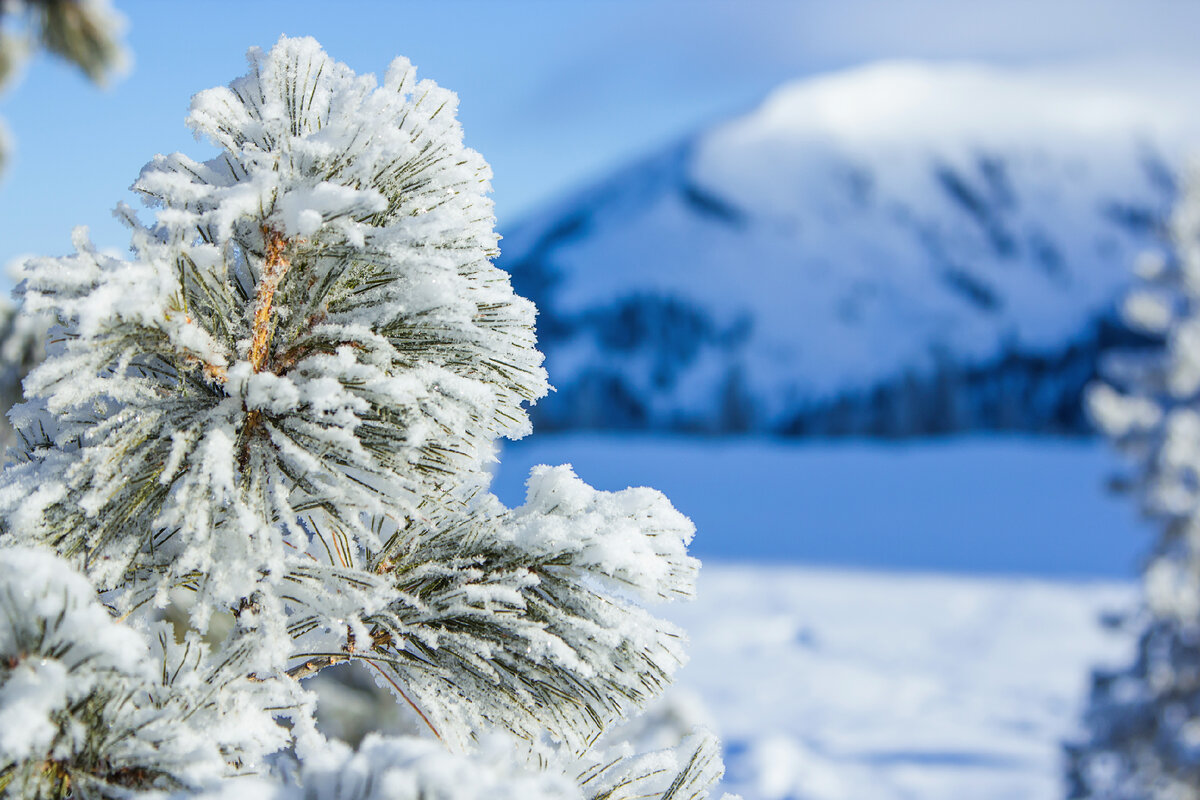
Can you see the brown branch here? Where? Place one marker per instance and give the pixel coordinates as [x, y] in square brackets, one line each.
[315, 665]
[273, 270]
[379, 638]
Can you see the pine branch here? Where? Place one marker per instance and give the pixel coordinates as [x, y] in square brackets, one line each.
[303, 332]
[89, 708]
[525, 619]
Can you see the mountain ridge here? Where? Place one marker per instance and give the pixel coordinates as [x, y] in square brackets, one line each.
[896, 250]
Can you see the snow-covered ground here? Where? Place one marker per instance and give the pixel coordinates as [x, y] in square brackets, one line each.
[839, 685]
[896, 682]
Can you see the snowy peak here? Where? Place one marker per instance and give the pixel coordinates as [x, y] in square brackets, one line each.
[898, 117]
[862, 253]
[918, 103]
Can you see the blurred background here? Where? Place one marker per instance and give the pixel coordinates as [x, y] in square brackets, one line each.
[833, 276]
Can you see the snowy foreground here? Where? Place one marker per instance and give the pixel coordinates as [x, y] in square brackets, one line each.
[843, 684]
[838, 685]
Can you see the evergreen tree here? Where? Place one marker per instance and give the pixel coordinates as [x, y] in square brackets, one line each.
[1143, 723]
[284, 405]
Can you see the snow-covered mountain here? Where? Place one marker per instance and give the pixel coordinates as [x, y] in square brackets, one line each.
[897, 249]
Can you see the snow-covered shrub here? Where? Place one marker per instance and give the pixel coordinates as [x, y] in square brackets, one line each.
[285, 404]
[1143, 722]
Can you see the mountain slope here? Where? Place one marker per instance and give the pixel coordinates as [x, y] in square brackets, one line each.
[898, 249]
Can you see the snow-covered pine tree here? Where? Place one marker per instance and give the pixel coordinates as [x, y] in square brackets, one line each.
[284, 405]
[1143, 721]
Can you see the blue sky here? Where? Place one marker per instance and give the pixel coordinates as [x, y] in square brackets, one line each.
[553, 92]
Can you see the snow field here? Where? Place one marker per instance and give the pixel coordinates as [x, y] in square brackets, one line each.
[842, 685]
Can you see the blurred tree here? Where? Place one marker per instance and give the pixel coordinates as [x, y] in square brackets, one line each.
[1143, 722]
[83, 32]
